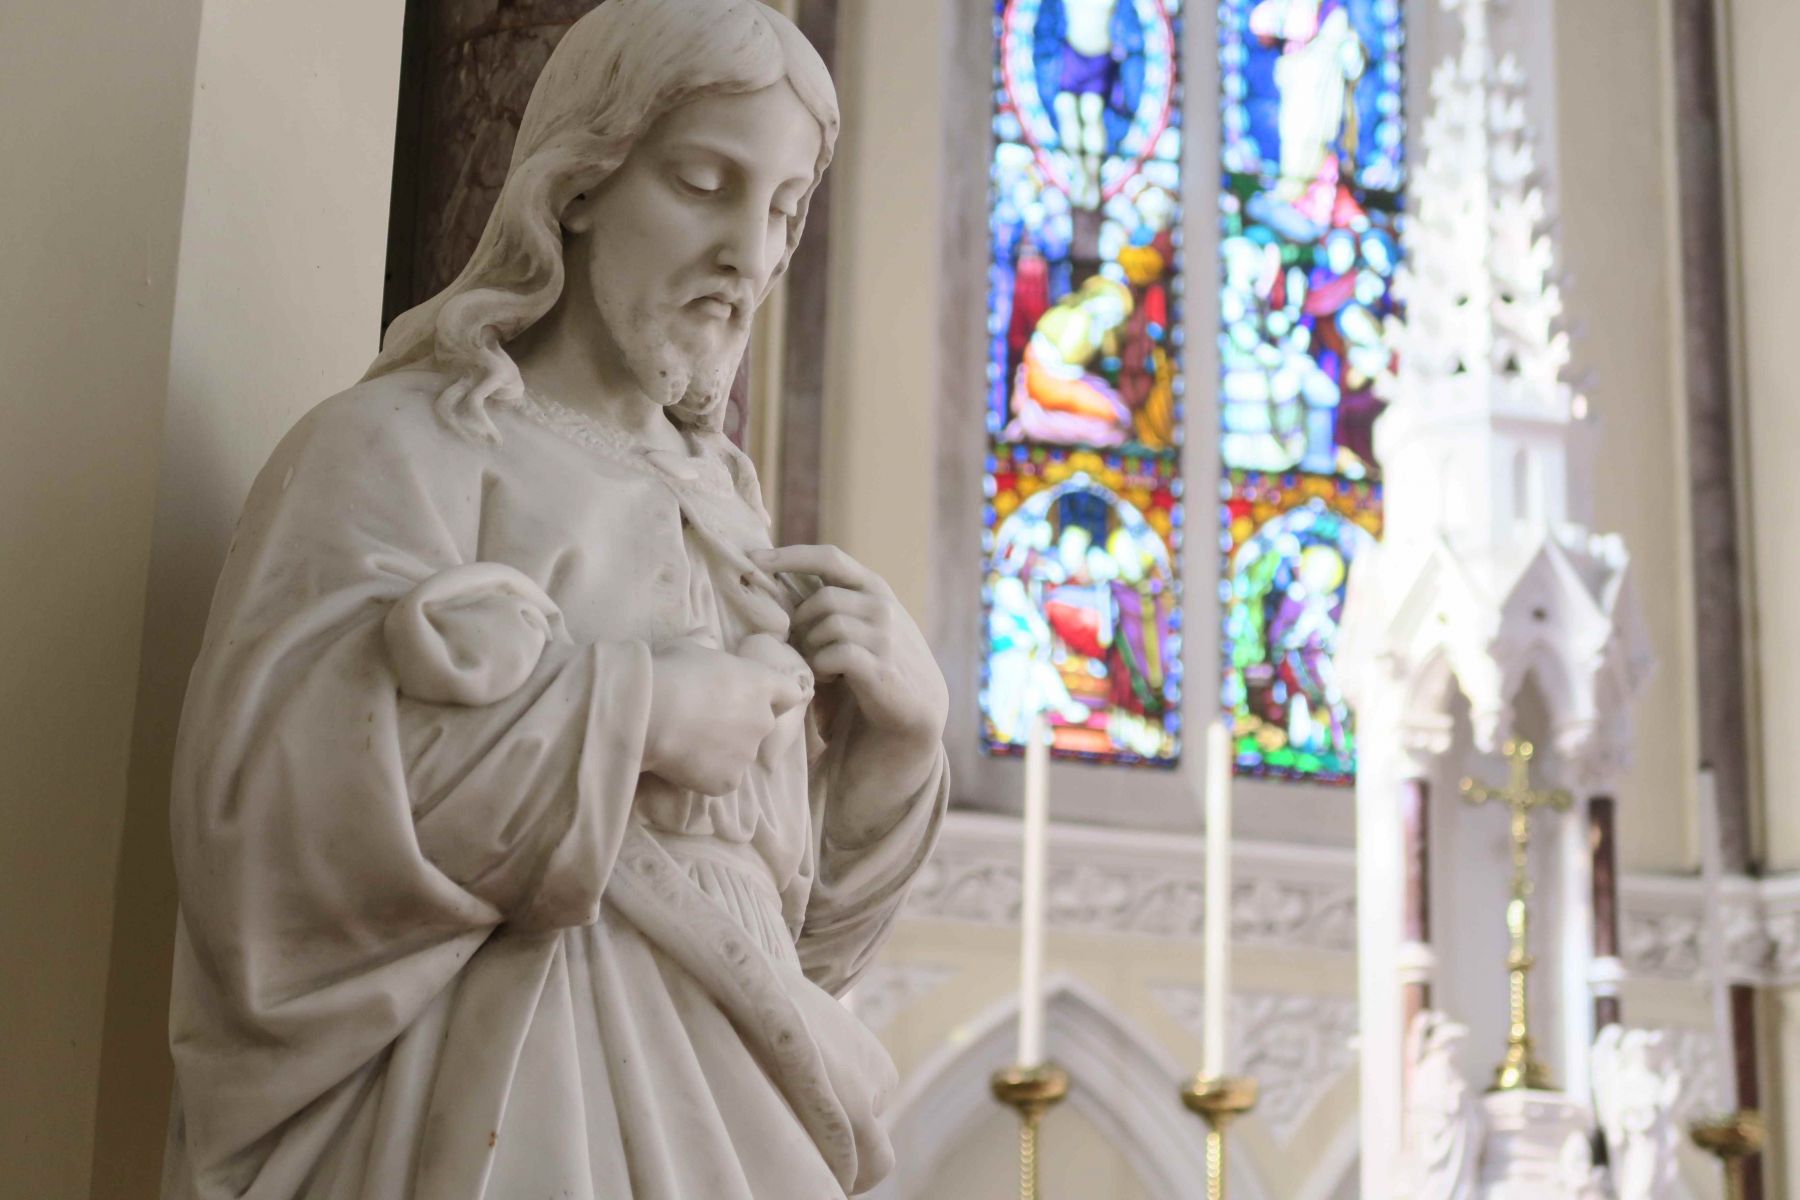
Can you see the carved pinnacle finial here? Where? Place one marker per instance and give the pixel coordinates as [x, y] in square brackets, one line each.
[1474, 14]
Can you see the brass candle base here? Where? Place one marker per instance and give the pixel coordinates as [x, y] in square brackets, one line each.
[1218, 1100]
[1520, 1070]
[1733, 1139]
[1032, 1091]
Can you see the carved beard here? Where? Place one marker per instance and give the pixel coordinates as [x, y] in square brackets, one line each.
[692, 379]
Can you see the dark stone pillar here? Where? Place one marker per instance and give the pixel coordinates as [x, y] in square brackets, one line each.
[1744, 1055]
[1415, 821]
[1602, 852]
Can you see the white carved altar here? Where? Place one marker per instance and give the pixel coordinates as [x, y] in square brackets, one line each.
[1489, 611]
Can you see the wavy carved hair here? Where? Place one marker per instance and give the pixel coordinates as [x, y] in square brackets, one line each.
[615, 72]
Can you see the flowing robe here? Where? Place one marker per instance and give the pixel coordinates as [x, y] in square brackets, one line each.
[441, 937]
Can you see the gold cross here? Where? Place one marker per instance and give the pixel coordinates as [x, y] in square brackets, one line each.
[1520, 1069]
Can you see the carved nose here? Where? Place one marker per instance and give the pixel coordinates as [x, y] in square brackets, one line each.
[741, 247]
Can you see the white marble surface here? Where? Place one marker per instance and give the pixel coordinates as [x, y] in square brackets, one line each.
[1638, 1093]
[1538, 1148]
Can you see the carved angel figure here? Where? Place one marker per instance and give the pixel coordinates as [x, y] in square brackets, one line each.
[1443, 1131]
[1636, 1083]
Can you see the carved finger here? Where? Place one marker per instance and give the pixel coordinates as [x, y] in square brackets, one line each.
[786, 691]
[775, 652]
[830, 601]
[840, 627]
[845, 660]
[829, 563]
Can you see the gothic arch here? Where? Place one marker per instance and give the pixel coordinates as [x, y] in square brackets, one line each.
[1126, 1087]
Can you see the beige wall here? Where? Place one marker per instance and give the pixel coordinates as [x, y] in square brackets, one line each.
[1763, 35]
[1614, 194]
[1759, 52]
[1781, 1077]
[882, 360]
[95, 94]
[278, 306]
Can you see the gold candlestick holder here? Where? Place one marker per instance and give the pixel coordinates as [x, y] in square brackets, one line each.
[1032, 1091]
[1734, 1139]
[1218, 1100]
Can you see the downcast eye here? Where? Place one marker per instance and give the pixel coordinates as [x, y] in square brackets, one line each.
[702, 183]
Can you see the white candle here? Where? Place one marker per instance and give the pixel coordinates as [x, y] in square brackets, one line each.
[1031, 900]
[1218, 900]
[1712, 874]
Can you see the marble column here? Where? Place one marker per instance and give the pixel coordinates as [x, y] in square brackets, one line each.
[1608, 970]
[1703, 163]
[470, 69]
[805, 329]
[1719, 634]
[1744, 1045]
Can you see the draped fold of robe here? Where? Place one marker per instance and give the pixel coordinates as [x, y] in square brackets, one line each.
[440, 936]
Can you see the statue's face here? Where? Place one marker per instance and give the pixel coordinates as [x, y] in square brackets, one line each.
[679, 243]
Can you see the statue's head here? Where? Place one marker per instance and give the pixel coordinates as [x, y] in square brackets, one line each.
[663, 168]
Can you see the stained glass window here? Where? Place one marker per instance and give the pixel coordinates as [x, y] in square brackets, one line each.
[1312, 146]
[1083, 520]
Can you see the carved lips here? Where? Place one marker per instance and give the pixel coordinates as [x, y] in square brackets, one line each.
[724, 303]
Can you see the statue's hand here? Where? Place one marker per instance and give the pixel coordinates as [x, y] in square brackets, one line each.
[853, 628]
[710, 711]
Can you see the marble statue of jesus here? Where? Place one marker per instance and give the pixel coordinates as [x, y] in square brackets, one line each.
[529, 807]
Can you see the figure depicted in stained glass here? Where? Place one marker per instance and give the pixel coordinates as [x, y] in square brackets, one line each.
[1022, 674]
[1080, 581]
[1063, 394]
[1301, 352]
[1032, 237]
[1146, 374]
[1302, 636]
[1321, 59]
[1286, 593]
[1090, 65]
[1137, 656]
